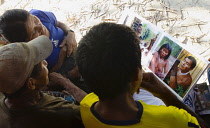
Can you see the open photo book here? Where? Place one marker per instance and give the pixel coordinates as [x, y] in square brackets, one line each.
[172, 62]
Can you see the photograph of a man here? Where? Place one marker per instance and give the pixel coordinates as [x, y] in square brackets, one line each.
[180, 78]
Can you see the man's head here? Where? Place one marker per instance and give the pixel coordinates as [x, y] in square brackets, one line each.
[12, 25]
[187, 64]
[35, 27]
[108, 56]
[165, 51]
[17, 60]
[18, 25]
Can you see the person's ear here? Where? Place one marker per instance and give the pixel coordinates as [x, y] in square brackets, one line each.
[31, 84]
[137, 79]
[137, 74]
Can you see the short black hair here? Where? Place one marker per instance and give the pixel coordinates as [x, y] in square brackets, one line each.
[107, 57]
[36, 70]
[167, 46]
[12, 25]
[194, 62]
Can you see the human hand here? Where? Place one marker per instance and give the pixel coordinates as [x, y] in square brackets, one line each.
[175, 68]
[56, 79]
[70, 42]
[154, 85]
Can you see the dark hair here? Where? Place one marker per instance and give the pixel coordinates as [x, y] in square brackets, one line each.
[194, 62]
[36, 70]
[12, 25]
[167, 46]
[107, 57]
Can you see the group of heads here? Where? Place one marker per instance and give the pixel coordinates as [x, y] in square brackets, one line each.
[109, 53]
[108, 56]
[17, 60]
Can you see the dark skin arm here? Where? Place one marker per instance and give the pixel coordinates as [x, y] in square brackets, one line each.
[58, 79]
[69, 40]
[161, 91]
[173, 79]
[153, 63]
[62, 56]
[173, 75]
[68, 45]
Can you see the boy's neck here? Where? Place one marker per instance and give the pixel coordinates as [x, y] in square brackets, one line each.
[121, 108]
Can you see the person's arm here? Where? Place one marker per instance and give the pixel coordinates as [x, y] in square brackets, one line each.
[67, 46]
[157, 88]
[154, 61]
[69, 40]
[166, 68]
[173, 75]
[173, 79]
[58, 79]
[61, 58]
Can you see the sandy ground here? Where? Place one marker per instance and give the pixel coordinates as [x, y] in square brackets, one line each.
[186, 20]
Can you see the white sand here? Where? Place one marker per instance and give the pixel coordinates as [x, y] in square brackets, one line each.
[187, 20]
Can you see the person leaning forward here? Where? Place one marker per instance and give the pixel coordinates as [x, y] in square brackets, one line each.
[109, 60]
[23, 73]
[19, 25]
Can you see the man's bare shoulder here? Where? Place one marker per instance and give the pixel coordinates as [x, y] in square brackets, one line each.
[185, 80]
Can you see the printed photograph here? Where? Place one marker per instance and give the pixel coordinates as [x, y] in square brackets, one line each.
[148, 34]
[164, 56]
[185, 72]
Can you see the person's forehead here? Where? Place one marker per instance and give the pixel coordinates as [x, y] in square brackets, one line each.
[165, 49]
[188, 60]
[30, 18]
[29, 24]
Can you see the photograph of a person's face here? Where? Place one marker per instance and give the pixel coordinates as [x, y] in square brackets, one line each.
[163, 57]
[184, 72]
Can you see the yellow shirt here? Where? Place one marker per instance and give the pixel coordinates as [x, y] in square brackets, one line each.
[149, 116]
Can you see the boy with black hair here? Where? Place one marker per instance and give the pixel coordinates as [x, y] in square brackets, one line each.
[109, 59]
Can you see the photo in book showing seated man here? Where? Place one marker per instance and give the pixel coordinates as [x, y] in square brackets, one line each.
[180, 78]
